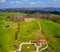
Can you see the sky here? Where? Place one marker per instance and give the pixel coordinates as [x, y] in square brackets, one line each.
[29, 3]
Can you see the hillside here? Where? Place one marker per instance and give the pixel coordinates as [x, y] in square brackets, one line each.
[52, 31]
[27, 31]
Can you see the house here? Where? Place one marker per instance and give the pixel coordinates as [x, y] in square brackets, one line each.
[44, 40]
[39, 41]
[34, 41]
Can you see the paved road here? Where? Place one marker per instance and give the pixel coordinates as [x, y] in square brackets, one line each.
[37, 47]
[23, 44]
[44, 48]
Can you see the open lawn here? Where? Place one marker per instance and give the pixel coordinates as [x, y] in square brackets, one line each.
[28, 48]
[26, 29]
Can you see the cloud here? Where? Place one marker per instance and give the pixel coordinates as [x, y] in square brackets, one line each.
[12, 2]
[55, 0]
[27, 3]
[2, 0]
[32, 3]
[25, 0]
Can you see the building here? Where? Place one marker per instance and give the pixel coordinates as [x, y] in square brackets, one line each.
[39, 41]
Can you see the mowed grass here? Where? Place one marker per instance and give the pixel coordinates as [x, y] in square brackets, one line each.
[28, 48]
[53, 34]
[26, 28]
[7, 36]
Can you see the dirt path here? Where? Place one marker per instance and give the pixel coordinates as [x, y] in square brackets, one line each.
[42, 32]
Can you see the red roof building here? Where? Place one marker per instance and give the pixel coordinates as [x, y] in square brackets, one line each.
[39, 41]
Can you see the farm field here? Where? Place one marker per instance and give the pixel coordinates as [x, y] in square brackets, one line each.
[27, 32]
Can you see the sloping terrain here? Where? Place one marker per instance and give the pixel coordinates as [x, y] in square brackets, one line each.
[7, 36]
[52, 31]
[28, 31]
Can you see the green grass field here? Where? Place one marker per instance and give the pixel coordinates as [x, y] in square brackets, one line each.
[28, 31]
[53, 33]
[28, 48]
[6, 37]
[26, 28]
